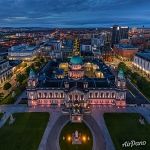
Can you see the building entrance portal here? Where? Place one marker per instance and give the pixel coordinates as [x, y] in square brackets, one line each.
[76, 104]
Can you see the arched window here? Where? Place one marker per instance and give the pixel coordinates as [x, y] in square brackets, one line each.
[107, 95]
[56, 95]
[90, 95]
[113, 95]
[45, 95]
[96, 94]
[62, 95]
[70, 97]
[39, 95]
[50, 95]
[82, 97]
[76, 97]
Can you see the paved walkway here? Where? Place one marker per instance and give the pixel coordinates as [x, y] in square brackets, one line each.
[98, 138]
[98, 116]
[4, 118]
[50, 127]
[53, 138]
[19, 98]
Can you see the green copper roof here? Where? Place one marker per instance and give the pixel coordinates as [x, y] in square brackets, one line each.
[75, 60]
[31, 74]
[121, 74]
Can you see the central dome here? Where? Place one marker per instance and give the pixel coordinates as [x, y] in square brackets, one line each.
[76, 60]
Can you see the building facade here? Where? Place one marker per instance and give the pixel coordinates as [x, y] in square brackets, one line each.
[5, 71]
[76, 89]
[125, 51]
[142, 62]
[22, 52]
[118, 33]
[82, 85]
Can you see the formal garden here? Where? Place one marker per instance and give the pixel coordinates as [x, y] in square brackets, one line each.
[25, 132]
[128, 131]
[76, 136]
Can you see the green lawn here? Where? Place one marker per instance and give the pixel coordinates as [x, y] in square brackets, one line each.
[126, 127]
[25, 133]
[71, 128]
[11, 100]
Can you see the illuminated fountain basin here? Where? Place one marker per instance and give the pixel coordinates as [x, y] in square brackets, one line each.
[76, 136]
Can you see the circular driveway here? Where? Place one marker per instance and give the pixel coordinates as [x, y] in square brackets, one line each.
[53, 138]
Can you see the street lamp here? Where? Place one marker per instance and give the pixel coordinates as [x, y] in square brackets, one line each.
[84, 138]
[69, 138]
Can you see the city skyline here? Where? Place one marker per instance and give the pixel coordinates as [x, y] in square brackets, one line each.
[70, 13]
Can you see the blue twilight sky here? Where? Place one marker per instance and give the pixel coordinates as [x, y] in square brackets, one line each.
[74, 13]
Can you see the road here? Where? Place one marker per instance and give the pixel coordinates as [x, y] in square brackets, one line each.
[53, 137]
[98, 138]
[136, 96]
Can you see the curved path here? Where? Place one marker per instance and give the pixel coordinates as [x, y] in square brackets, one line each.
[98, 139]
[53, 138]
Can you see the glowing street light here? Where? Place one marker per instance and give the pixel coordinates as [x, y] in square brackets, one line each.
[84, 138]
[79, 118]
[69, 138]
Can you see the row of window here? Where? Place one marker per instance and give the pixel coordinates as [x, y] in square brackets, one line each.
[90, 102]
[4, 77]
[76, 97]
[48, 102]
[4, 67]
[102, 95]
[143, 63]
[101, 101]
[50, 95]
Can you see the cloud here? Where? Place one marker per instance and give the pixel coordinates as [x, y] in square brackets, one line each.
[73, 12]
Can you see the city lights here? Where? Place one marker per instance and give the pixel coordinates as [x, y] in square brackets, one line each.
[71, 77]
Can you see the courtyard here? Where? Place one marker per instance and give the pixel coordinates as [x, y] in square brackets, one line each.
[126, 127]
[25, 133]
[66, 138]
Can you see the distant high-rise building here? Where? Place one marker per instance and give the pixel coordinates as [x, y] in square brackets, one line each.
[118, 33]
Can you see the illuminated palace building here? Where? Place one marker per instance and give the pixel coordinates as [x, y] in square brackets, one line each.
[76, 85]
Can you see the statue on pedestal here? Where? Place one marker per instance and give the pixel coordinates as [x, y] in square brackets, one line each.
[11, 119]
[76, 138]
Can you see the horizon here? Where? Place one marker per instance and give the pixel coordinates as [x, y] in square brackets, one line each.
[77, 27]
[74, 14]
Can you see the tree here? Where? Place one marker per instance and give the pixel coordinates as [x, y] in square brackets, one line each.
[7, 86]
[20, 78]
[38, 64]
[1, 96]
[27, 71]
[122, 66]
[42, 60]
[24, 65]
